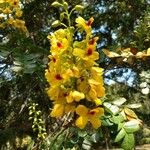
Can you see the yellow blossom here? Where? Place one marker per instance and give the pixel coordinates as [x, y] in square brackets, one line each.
[53, 76]
[61, 109]
[91, 115]
[18, 13]
[75, 96]
[14, 3]
[96, 90]
[97, 74]
[55, 92]
[58, 45]
[85, 25]
[89, 54]
[7, 10]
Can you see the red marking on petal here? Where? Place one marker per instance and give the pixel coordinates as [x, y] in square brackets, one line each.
[89, 22]
[92, 112]
[59, 44]
[89, 51]
[54, 59]
[58, 77]
[65, 94]
[82, 79]
[92, 41]
[15, 3]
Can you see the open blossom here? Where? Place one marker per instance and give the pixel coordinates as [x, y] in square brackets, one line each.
[14, 12]
[88, 115]
[85, 25]
[73, 76]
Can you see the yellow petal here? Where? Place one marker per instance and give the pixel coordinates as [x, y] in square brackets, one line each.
[57, 111]
[92, 93]
[100, 91]
[69, 98]
[78, 52]
[100, 111]
[97, 70]
[81, 122]
[80, 21]
[96, 122]
[69, 108]
[81, 110]
[78, 95]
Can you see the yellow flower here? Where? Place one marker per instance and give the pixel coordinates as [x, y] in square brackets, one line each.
[54, 92]
[73, 72]
[82, 85]
[85, 25]
[53, 76]
[85, 115]
[11, 20]
[97, 89]
[18, 13]
[61, 109]
[2, 1]
[14, 3]
[59, 45]
[75, 96]
[97, 74]
[59, 41]
[89, 55]
[7, 11]
[93, 41]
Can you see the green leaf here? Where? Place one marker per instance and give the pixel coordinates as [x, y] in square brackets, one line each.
[82, 133]
[131, 126]
[106, 122]
[113, 109]
[119, 101]
[117, 119]
[128, 142]
[86, 144]
[16, 68]
[138, 105]
[120, 135]
[120, 126]
[95, 137]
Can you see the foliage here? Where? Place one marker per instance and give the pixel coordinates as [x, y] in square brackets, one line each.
[123, 28]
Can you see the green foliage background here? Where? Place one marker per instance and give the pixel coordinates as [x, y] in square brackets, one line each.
[23, 59]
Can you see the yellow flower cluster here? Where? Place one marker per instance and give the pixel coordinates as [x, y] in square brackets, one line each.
[10, 13]
[75, 80]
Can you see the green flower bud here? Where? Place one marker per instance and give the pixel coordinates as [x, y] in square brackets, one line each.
[79, 7]
[65, 5]
[56, 4]
[56, 23]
